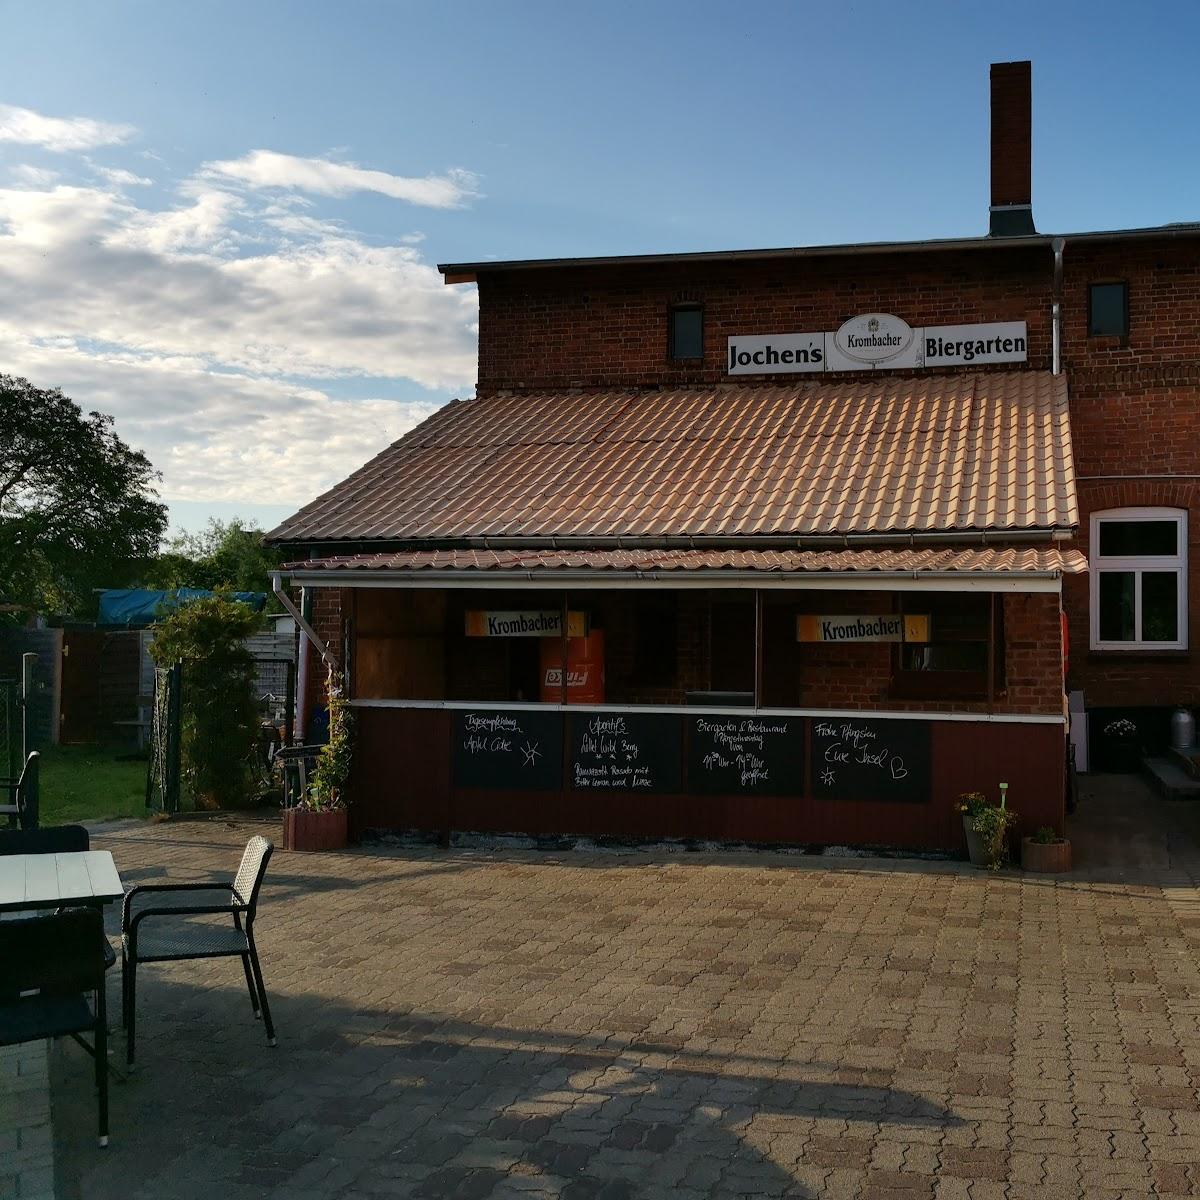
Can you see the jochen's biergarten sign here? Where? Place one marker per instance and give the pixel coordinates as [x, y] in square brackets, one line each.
[878, 341]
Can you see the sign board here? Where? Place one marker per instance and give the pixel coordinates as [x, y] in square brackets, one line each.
[636, 752]
[854, 759]
[751, 755]
[878, 341]
[525, 624]
[874, 627]
[511, 749]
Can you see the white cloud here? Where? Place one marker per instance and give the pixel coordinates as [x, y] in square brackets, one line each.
[29, 128]
[121, 178]
[221, 332]
[268, 169]
[33, 176]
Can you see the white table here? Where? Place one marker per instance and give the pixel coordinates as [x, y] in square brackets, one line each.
[29, 881]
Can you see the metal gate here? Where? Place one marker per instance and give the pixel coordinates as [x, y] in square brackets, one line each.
[162, 771]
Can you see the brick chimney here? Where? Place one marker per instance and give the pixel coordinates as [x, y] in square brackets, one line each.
[1012, 149]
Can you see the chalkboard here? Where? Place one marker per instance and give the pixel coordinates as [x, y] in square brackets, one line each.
[518, 749]
[638, 752]
[856, 759]
[731, 755]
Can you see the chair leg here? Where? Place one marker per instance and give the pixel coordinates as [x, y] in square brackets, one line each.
[262, 994]
[101, 1044]
[250, 987]
[130, 976]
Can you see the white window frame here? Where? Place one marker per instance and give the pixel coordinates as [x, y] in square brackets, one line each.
[1137, 564]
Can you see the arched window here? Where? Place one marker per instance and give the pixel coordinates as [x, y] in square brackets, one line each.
[1139, 579]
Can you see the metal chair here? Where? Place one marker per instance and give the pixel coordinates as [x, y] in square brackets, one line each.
[48, 967]
[55, 839]
[165, 932]
[22, 808]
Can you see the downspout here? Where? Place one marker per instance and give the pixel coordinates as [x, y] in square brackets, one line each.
[1056, 308]
[307, 635]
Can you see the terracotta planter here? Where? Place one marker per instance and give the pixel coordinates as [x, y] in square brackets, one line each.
[304, 829]
[975, 847]
[1049, 857]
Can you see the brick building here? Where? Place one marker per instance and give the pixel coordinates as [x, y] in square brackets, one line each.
[781, 544]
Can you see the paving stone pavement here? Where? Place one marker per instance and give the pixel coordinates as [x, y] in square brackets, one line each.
[500, 1023]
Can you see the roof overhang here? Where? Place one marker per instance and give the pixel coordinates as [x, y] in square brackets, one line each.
[469, 272]
[961, 570]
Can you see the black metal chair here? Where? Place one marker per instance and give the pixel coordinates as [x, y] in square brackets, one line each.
[165, 931]
[55, 839]
[48, 967]
[22, 806]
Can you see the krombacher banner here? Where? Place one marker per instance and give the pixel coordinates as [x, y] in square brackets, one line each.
[525, 624]
[871, 628]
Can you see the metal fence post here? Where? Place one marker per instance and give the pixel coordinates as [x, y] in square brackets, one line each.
[28, 664]
[174, 721]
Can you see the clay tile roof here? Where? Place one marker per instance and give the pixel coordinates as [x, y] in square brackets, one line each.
[975, 451]
[1040, 560]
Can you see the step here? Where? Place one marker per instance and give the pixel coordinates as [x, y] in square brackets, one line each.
[1170, 780]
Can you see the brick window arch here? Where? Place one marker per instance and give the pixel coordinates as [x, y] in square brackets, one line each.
[1138, 564]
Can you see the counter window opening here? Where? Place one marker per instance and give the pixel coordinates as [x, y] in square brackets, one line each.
[1108, 310]
[964, 656]
[1139, 579]
[685, 332]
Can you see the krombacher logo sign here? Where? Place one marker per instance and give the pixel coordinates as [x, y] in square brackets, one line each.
[878, 341]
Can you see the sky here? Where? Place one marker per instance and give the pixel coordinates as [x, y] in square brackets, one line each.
[220, 222]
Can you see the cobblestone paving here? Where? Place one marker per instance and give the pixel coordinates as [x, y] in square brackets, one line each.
[518, 1024]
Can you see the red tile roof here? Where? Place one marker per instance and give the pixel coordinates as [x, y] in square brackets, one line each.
[937, 453]
[1040, 560]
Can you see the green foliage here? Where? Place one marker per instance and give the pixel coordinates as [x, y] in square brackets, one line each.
[91, 783]
[1046, 836]
[971, 803]
[327, 789]
[219, 710]
[224, 555]
[78, 509]
[994, 824]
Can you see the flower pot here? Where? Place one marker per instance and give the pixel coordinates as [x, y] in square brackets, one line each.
[304, 829]
[1124, 755]
[1045, 856]
[975, 847]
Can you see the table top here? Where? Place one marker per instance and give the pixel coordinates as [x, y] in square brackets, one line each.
[50, 880]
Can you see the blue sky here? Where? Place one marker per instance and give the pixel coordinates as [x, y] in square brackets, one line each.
[219, 221]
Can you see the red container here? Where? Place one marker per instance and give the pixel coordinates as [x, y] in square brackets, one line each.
[585, 669]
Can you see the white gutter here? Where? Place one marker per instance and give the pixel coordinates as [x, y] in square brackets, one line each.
[684, 579]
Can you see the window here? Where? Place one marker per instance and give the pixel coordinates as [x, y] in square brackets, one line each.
[1108, 310]
[1139, 579]
[655, 641]
[686, 332]
[966, 633]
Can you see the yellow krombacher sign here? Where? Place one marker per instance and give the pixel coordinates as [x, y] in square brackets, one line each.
[874, 627]
[525, 624]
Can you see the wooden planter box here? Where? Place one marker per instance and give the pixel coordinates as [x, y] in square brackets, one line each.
[1050, 857]
[304, 829]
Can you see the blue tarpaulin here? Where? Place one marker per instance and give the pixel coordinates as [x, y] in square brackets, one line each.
[142, 606]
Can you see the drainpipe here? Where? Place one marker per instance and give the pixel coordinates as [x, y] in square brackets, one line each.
[1056, 309]
[307, 635]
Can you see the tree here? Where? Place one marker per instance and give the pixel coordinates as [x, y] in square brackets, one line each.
[223, 555]
[78, 507]
[219, 710]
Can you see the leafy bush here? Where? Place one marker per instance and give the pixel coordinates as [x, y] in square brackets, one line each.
[219, 710]
[1046, 836]
[993, 823]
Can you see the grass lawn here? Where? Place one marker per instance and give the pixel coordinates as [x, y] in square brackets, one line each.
[88, 783]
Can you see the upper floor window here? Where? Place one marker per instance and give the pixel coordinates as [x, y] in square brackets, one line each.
[1108, 310]
[685, 337]
[1139, 579]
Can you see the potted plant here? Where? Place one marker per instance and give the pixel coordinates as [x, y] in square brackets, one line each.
[988, 827]
[1124, 750]
[318, 821]
[1045, 851]
[970, 804]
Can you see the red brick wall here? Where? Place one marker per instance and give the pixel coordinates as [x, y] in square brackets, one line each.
[599, 327]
